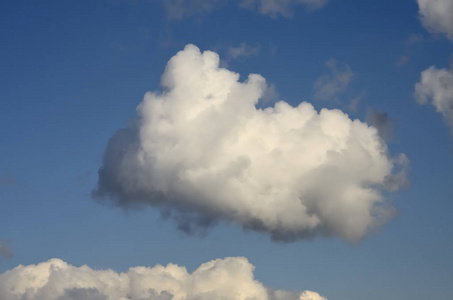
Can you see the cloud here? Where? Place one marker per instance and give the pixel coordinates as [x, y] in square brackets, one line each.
[275, 8]
[180, 9]
[437, 16]
[402, 61]
[5, 250]
[335, 82]
[230, 278]
[382, 122]
[436, 87]
[201, 151]
[243, 50]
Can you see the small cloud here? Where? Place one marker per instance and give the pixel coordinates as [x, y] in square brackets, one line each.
[180, 9]
[284, 8]
[403, 60]
[5, 250]
[334, 82]
[436, 87]
[437, 16]
[382, 122]
[243, 50]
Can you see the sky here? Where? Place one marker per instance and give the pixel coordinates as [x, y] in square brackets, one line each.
[253, 149]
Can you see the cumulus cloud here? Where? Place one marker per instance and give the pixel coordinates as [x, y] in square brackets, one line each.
[283, 8]
[437, 16]
[230, 278]
[333, 83]
[436, 87]
[5, 250]
[202, 151]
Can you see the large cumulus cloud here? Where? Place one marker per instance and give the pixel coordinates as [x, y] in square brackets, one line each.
[436, 87]
[222, 279]
[437, 16]
[201, 151]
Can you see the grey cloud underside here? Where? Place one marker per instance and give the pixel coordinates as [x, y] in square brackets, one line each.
[383, 123]
[230, 278]
[202, 152]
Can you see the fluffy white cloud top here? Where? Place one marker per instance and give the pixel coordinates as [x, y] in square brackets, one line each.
[222, 279]
[436, 87]
[437, 16]
[201, 151]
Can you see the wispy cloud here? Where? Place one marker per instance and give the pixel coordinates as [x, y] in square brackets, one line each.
[243, 50]
[180, 9]
[275, 8]
[403, 60]
[333, 83]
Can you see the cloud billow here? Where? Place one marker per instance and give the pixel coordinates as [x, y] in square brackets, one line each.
[436, 87]
[201, 151]
[230, 278]
[437, 16]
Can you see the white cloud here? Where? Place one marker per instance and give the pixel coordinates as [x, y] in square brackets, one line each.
[437, 16]
[180, 9]
[243, 50]
[284, 8]
[5, 250]
[202, 152]
[333, 83]
[222, 279]
[309, 295]
[436, 87]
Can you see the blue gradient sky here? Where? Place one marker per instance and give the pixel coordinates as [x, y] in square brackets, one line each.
[73, 72]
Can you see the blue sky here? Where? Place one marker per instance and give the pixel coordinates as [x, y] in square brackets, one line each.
[73, 73]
